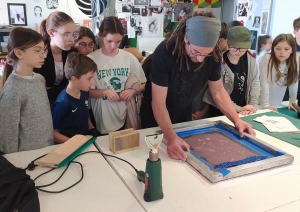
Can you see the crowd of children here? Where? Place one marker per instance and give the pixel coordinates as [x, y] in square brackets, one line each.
[60, 71]
[51, 72]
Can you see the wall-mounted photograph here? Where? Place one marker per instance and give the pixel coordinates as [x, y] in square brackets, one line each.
[264, 22]
[126, 8]
[17, 14]
[141, 2]
[256, 22]
[253, 39]
[52, 4]
[136, 11]
[181, 10]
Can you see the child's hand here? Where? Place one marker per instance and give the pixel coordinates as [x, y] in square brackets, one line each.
[292, 107]
[271, 108]
[112, 96]
[248, 110]
[127, 94]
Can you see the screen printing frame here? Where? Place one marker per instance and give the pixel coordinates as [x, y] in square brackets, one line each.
[214, 175]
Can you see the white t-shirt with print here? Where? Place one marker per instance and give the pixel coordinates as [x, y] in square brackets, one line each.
[112, 74]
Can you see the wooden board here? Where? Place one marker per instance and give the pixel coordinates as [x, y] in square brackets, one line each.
[63, 151]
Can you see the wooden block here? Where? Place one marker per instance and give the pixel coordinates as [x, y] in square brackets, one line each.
[124, 141]
[63, 151]
[113, 135]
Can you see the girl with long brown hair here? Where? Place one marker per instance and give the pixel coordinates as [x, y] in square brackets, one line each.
[114, 68]
[25, 117]
[59, 33]
[279, 70]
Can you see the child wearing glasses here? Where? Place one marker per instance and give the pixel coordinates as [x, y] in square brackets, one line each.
[25, 116]
[70, 112]
[86, 41]
[279, 70]
[114, 66]
[59, 33]
[239, 74]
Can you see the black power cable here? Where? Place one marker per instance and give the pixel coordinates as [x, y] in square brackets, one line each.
[139, 174]
[56, 192]
[31, 166]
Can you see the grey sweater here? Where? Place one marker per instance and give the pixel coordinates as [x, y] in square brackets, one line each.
[25, 116]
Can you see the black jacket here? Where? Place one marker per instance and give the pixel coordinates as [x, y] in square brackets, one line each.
[48, 71]
[17, 190]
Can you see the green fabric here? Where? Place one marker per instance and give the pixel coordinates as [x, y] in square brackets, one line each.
[292, 138]
[288, 112]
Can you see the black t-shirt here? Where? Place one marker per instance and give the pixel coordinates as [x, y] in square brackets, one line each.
[240, 70]
[183, 85]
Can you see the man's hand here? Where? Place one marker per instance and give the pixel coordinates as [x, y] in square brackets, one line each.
[127, 94]
[174, 148]
[242, 127]
[112, 96]
[248, 110]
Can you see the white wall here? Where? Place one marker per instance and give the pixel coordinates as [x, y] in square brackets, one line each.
[67, 6]
[284, 12]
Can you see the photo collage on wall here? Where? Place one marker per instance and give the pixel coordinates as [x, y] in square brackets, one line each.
[254, 14]
[152, 18]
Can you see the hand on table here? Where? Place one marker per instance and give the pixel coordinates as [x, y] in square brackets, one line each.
[248, 110]
[271, 108]
[292, 107]
[242, 127]
[174, 149]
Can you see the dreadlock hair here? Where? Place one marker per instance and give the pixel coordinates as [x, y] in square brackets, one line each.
[178, 36]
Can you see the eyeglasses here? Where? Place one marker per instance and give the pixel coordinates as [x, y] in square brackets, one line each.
[68, 35]
[90, 45]
[233, 49]
[197, 54]
[41, 53]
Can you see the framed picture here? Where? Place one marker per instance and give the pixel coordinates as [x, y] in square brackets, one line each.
[141, 2]
[17, 14]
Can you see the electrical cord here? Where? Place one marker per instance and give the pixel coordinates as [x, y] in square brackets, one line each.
[140, 174]
[103, 154]
[31, 166]
[56, 192]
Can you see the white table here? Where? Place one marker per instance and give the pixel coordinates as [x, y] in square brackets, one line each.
[185, 189]
[100, 190]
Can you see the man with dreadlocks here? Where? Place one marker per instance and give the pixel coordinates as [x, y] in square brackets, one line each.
[181, 66]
